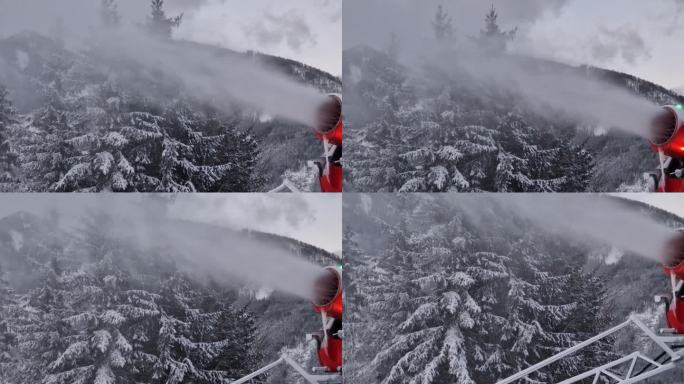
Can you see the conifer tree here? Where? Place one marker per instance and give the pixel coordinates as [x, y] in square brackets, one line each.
[158, 23]
[8, 337]
[8, 158]
[441, 25]
[492, 37]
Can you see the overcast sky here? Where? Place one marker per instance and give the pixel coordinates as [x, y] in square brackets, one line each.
[671, 202]
[312, 218]
[305, 30]
[643, 38]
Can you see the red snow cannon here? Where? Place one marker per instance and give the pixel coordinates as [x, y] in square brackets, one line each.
[329, 130]
[667, 135]
[667, 139]
[329, 120]
[328, 302]
[673, 264]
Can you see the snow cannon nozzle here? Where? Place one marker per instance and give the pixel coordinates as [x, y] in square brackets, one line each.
[673, 256]
[329, 116]
[327, 292]
[665, 133]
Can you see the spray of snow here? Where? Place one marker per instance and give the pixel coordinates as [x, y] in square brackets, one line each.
[549, 89]
[159, 225]
[17, 240]
[214, 76]
[208, 251]
[578, 217]
[552, 90]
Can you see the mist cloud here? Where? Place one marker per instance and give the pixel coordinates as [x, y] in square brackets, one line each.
[290, 28]
[569, 31]
[625, 42]
[577, 217]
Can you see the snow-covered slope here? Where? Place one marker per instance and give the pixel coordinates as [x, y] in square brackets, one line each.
[418, 129]
[87, 307]
[80, 126]
[444, 289]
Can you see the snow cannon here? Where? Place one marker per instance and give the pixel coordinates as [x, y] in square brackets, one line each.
[329, 120]
[673, 265]
[327, 300]
[673, 261]
[666, 133]
[328, 293]
[667, 139]
[328, 129]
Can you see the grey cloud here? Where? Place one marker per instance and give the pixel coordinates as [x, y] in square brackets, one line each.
[335, 9]
[371, 21]
[290, 27]
[529, 10]
[295, 210]
[625, 42]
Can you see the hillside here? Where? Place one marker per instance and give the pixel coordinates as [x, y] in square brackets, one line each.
[84, 305]
[436, 294]
[420, 129]
[80, 120]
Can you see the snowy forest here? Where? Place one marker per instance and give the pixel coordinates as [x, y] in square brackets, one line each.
[416, 128]
[79, 304]
[445, 289]
[75, 119]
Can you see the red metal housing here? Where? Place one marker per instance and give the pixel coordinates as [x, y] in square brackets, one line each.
[330, 356]
[329, 125]
[670, 185]
[667, 135]
[333, 181]
[673, 258]
[328, 293]
[329, 131]
[328, 302]
[673, 264]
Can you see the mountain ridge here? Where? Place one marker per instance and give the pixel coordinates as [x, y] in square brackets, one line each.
[423, 131]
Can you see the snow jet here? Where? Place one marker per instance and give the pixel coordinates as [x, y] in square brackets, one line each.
[178, 229]
[582, 218]
[208, 251]
[218, 77]
[551, 90]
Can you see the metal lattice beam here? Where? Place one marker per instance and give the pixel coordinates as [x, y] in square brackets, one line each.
[606, 370]
[311, 379]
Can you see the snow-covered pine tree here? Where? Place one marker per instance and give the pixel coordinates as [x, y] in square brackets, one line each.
[198, 346]
[471, 297]
[492, 38]
[432, 310]
[8, 335]
[360, 275]
[527, 159]
[535, 312]
[47, 157]
[205, 154]
[39, 327]
[100, 316]
[441, 139]
[588, 318]
[233, 332]
[8, 158]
